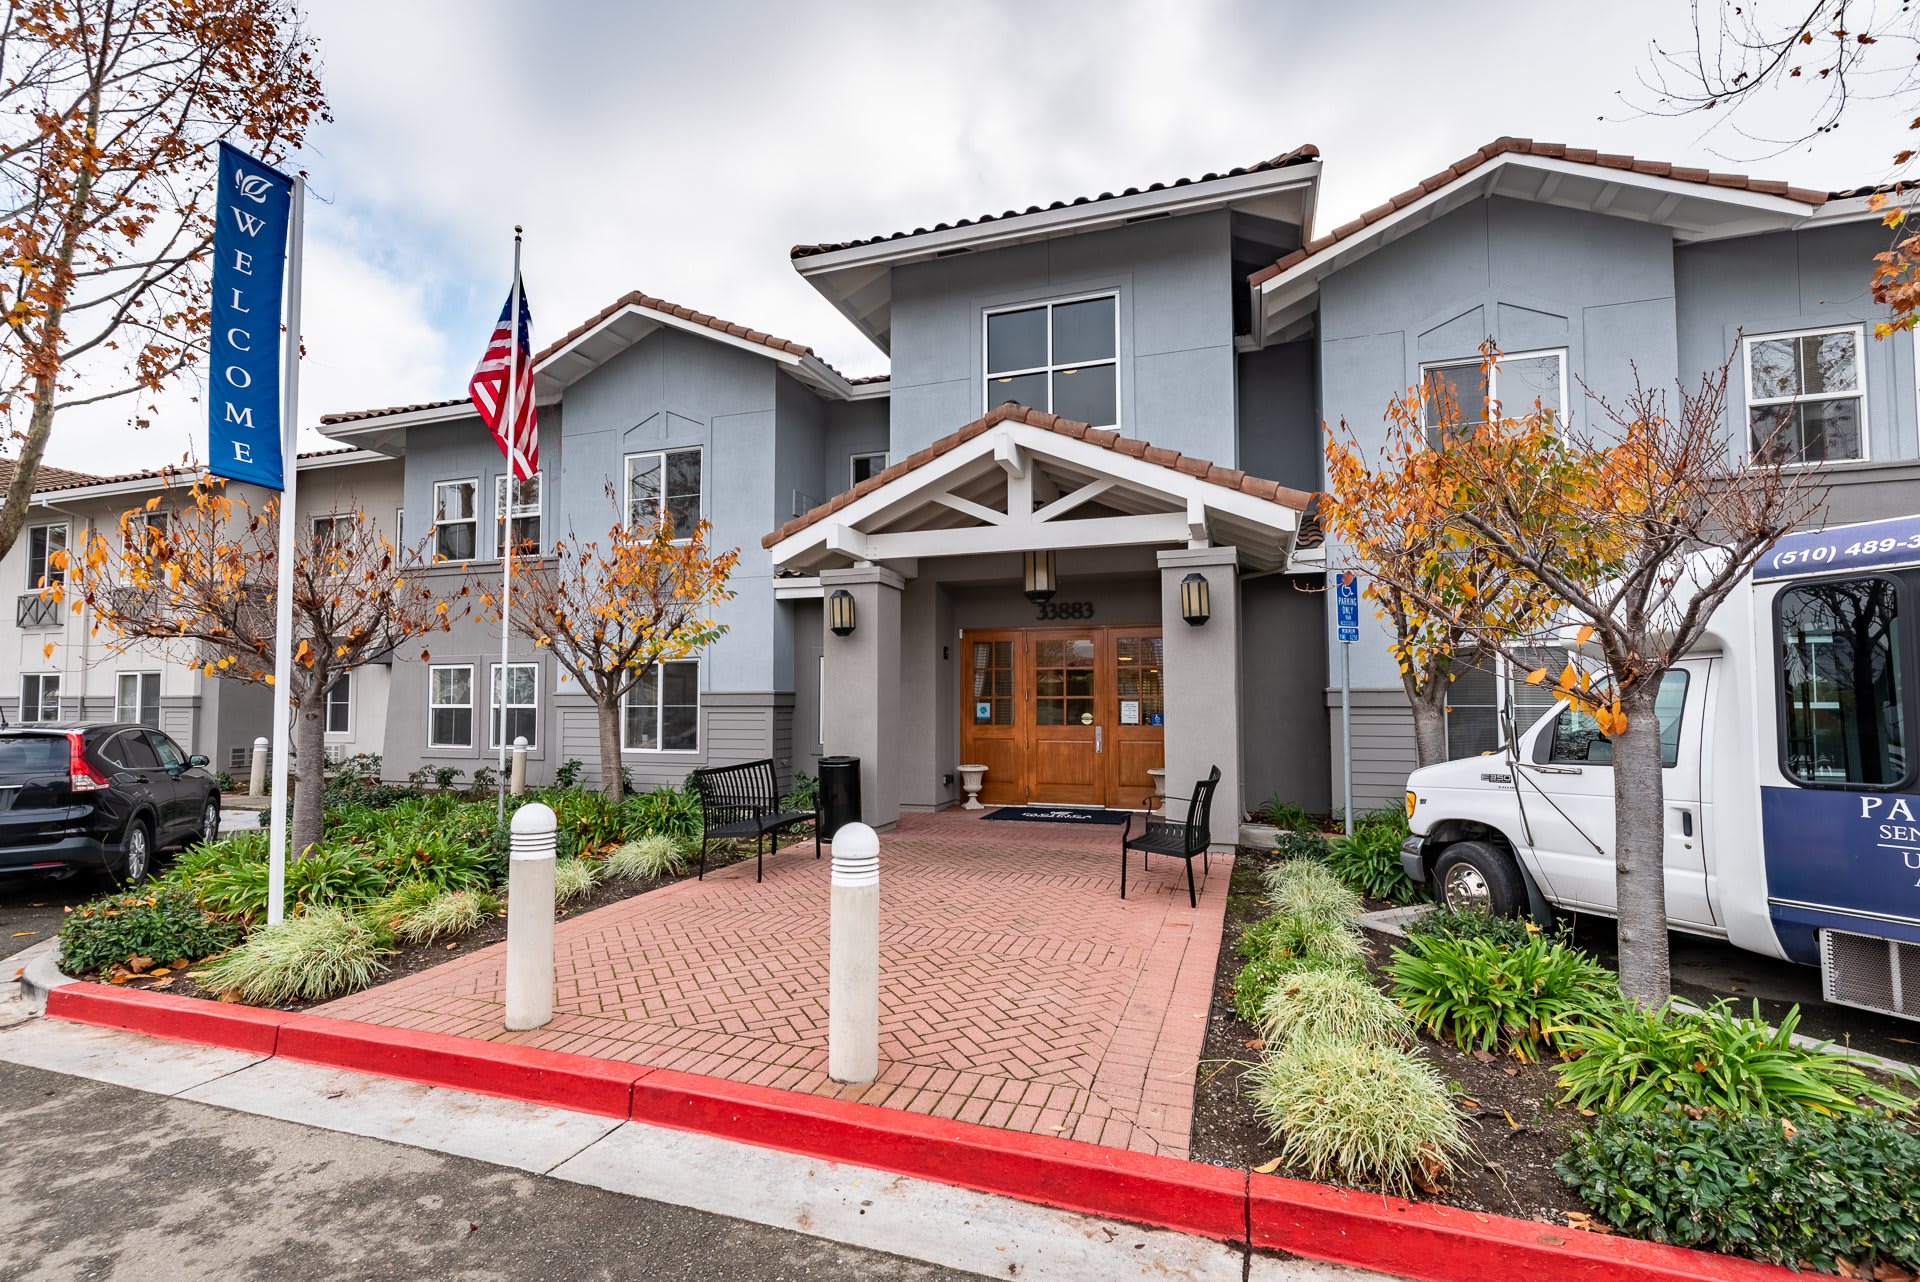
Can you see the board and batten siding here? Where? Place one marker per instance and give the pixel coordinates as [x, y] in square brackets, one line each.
[1383, 749]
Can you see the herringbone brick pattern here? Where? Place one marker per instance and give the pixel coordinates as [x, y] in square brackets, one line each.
[1017, 989]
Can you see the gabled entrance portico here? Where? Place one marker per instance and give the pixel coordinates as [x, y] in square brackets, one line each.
[929, 555]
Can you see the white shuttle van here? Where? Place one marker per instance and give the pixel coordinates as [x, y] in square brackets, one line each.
[1792, 803]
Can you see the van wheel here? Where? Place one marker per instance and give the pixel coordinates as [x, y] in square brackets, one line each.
[1472, 875]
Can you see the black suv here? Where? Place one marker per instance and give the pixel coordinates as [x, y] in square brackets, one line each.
[99, 799]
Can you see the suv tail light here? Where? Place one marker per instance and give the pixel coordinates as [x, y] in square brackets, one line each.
[84, 777]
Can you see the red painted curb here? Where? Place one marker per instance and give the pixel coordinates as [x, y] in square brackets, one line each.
[1165, 1192]
[1434, 1243]
[186, 1019]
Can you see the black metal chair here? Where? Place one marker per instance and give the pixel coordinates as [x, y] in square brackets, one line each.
[1181, 840]
[743, 801]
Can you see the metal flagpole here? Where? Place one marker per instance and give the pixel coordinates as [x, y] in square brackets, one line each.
[510, 414]
[283, 595]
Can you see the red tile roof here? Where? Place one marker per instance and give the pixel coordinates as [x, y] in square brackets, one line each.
[80, 480]
[1231, 478]
[353, 416]
[1547, 150]
[1298, 156]
[47, 477]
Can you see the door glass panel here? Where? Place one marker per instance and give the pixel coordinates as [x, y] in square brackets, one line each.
[992, 684]
[1140, 681]
[1063, 682]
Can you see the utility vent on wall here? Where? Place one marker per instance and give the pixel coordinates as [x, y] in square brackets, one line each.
[1874, 974]
[237, 759]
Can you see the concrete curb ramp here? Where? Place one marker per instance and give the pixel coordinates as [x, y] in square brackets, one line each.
[1415, 1240]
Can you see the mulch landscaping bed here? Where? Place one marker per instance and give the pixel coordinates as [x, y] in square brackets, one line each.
[1509, 1109]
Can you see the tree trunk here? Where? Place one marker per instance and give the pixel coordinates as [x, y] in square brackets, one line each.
[1639, 844]
[310, 789]
[1429, 719]
[26, 472]
[610, 782]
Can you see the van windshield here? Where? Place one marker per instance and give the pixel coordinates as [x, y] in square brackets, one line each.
[1839, 647]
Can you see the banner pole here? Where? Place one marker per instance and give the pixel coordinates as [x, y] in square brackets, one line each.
[283, 595]
[510, 413]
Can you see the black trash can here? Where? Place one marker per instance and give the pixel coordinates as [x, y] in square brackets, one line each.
[839, 794]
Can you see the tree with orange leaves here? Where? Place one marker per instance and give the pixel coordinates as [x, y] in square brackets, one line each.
[106, 170]
[611, 612]
[193, 576]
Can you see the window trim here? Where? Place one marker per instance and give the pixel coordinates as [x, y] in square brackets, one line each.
[342, 686]
[433, 707]
[333, 518]
[1493, 384]
[626, 479]
[493, 715]
[659, 714]
[501, 528]
[853, 462]
[1049, 369]
[40, 698]
[1909, 666]
[48, 572]
[1749, 402]
[140, 680]
[473, 520]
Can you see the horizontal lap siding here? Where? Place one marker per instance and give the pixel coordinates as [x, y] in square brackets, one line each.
[728, 735]
[1383, 755]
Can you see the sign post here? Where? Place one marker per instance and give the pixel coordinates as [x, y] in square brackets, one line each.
[254, 404]
[1346, 596]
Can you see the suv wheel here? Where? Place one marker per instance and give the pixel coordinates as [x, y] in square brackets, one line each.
[210, 819]
[1473, 875]
[136, 856]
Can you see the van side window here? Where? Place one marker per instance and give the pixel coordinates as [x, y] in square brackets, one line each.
[1577, 741]
[1842, 704]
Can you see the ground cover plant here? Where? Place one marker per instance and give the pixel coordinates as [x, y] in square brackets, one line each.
[1369, 861]
[158, 923]
[1483, 995]
[1471, 923]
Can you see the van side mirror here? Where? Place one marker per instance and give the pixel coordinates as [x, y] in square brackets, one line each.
[199, 759]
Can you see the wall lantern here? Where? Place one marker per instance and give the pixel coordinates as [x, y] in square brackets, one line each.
[1196, 602]
[840, 612]
[1039, 578]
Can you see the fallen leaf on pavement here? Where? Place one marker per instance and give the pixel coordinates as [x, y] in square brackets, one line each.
[1485, 1057]
[1581, 1220]
[137, 964]
[1510, 1122]
[1510, 1070]
[165, 983]
[1466, 1102]
[1255, 1043]
[1267, 1168]
[158, 971]
[22, 934]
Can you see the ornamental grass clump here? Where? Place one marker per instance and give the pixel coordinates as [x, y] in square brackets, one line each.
[321, 953]
[573, 879]
[1256, 980]
[442, 915]
[1482, 995]
[1370, 1114]
[1331, 1004]
[1284, 935]
[1645, 1060]
[655, 855]
[1310, 892]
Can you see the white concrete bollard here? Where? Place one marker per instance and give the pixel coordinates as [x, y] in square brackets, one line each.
[517, 772]
[853, 959]
[530, 918]
[257, 782]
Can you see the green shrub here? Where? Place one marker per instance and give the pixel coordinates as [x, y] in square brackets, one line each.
[1482, 995]
[1289, 816]
[229, 877]
[440, 852]
[1367, 1113]
[1310, 892]
[161, 922]
[587, 822]
[804, 795]
[1807, 1191]
[569, 772]
[321, 953]
[650, 856]
[1333, 1004]
[446, 914]
[1300, 845]
[1640, 1060]
[1256, 980]
[1283, 935]
[1369, 861]
[664, 812]
[573, 879]
[1470, 923]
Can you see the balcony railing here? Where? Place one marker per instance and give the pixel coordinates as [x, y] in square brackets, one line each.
[35, 611]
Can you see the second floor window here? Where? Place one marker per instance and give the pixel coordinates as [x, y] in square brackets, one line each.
[665, 486]
[1519, 382]
[1061, 357]
[865, 466]
[40, 697]
[1806, 396]
[455, 519]
[136, 697]
[340, 705]
[526, 515]
[43, 542]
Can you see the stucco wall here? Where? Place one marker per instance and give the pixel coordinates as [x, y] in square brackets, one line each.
[1284, 726]
[1279, 415]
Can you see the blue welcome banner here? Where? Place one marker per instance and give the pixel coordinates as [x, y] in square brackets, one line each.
[249, 275]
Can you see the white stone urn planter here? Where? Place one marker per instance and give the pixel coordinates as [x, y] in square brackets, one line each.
[1159, 776]
[972, 778]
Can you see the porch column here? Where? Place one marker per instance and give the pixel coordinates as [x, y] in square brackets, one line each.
[1203, 684]
[862, 713]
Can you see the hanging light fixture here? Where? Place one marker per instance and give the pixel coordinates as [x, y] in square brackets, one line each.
[840, 612]
[1039, 578]
[1196, 602]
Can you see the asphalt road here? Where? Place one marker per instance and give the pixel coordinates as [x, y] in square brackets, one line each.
[107, 1184]
[30, 906]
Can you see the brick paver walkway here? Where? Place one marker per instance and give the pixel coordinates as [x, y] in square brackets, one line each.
[1017, 989]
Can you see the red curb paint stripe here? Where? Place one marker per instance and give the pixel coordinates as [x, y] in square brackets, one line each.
[187, 1019]
[576, 1082]
[1434, 1243]
[1139, 1187]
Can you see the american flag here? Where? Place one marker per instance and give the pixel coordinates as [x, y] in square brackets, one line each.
[517, 432]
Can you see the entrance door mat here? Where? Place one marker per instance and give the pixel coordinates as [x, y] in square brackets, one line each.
[1060, 815]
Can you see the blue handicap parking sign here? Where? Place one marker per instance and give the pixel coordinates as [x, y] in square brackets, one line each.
[1346, 597]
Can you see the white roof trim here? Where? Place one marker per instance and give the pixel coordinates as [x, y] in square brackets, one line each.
[188, 475]
[411, 418]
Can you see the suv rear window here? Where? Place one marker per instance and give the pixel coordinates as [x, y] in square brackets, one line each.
[33, 754]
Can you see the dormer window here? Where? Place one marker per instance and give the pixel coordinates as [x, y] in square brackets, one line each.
[1059, 356]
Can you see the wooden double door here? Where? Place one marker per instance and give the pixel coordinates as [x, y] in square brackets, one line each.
[1069, 716]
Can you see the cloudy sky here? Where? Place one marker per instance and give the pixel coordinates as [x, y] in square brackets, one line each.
[682, 149]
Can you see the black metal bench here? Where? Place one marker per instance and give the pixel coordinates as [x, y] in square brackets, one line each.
[1181, 840]
[744, 801]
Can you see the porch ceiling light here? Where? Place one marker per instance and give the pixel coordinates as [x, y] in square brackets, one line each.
[1039, 579]
[840, 612]
[1196, 600]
